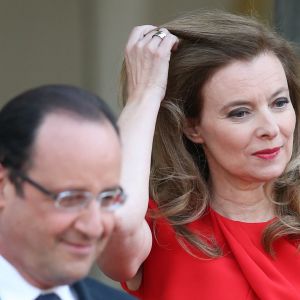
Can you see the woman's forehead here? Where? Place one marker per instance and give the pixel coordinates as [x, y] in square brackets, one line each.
[264, 73]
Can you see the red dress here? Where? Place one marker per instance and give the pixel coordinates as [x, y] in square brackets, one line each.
[244, 272]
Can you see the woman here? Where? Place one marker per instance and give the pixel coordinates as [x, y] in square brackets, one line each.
[219, 94]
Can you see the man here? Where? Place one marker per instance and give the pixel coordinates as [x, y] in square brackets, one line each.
[59, 186]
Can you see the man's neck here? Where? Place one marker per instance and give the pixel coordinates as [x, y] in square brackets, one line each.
[14, 286]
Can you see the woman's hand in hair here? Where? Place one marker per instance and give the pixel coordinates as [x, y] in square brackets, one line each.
[147, 59]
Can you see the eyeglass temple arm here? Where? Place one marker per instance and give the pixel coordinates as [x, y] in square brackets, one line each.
[33, 183]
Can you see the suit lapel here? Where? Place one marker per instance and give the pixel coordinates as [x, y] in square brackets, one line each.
[82, 291]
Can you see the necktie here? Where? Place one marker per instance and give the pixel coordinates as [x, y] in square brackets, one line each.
[51, 296]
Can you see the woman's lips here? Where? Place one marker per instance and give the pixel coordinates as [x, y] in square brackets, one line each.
[267, 154]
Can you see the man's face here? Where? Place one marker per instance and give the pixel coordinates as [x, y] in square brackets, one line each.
[50, 246]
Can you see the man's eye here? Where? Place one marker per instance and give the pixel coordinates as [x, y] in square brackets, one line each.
[72, 201]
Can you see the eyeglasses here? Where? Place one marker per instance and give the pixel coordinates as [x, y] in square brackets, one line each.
[108, 200]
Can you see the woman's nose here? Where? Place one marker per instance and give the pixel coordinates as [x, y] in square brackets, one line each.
[268, 127]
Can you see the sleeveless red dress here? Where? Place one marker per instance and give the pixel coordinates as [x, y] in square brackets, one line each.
[244, 272]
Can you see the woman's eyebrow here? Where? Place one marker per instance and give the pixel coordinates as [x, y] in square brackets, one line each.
[279, 91]
[245, 102]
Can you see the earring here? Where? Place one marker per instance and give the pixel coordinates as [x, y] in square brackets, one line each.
[194, 134]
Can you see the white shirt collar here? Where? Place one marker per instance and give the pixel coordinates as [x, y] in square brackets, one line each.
[14, 286]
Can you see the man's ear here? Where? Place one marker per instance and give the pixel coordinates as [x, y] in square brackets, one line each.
[3, 173]
[192, 131]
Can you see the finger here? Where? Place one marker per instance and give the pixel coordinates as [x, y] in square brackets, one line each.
[155, 37]
[169, 43]
[166, 46]
[138, 33]
[176, 44]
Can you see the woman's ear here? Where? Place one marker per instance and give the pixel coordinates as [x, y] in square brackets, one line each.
[192, 131]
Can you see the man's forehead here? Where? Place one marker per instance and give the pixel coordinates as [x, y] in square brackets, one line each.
[63, 134]
[72, 154]
[61, 123]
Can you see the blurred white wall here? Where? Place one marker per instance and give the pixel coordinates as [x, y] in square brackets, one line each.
[40, 42]
[76, 41]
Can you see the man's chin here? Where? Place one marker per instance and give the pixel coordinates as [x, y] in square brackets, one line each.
[68, 278]
[71, 273]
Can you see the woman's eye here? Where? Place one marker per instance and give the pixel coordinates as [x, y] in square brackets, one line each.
[281, 102]
[238, 113]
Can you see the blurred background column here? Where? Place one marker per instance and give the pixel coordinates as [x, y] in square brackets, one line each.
[287, 19]
[106, 26]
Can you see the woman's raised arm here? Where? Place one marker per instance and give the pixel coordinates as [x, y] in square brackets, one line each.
[147, 58]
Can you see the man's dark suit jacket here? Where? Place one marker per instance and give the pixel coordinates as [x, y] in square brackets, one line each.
[90, 289]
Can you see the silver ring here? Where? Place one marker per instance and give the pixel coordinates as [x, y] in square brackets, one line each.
[160, 34]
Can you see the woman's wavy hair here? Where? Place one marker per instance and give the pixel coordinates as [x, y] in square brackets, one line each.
[209, 41]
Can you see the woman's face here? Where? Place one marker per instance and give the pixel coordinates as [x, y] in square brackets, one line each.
[247, 121]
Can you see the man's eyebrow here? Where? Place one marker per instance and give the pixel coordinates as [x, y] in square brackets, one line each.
[112, 188]
[84, 189]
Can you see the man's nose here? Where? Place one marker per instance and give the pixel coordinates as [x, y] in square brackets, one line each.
[90, 221]
[268, 127]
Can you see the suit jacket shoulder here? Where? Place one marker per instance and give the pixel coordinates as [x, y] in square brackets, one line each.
[90, 289]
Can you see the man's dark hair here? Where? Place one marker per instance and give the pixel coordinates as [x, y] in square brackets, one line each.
[21, 117]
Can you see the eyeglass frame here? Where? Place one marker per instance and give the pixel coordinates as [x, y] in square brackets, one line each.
[57, 197]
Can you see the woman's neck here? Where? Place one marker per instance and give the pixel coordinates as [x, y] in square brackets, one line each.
[240, 202]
